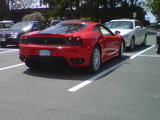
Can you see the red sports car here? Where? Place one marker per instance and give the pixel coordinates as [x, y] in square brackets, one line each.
[81, 44]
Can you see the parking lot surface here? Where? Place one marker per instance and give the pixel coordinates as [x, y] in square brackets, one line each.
[126, 89]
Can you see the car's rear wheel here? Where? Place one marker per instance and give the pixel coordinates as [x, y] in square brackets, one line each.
[145, 40]
[121, 51]
[31, 63]
[132, 44]
[158, 49]
[95, 60]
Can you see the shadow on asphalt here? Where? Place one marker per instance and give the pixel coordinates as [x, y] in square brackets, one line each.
[138, 48]
[69, 73]
[65, 72]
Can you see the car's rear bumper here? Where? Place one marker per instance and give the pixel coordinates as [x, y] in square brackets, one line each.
[77, 56]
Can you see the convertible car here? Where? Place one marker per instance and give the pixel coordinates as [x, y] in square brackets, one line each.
[80, 44]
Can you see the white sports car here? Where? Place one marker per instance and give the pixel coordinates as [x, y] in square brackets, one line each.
[132, 30]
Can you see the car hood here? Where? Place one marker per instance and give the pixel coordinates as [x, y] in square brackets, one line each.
[12, 31]
[122, 31]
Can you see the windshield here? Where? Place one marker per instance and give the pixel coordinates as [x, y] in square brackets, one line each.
[120, 25]
[64, 28]
[25, 26]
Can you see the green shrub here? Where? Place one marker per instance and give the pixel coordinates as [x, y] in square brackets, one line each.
[36, 16]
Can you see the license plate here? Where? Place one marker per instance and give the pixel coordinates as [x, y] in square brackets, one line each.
[44, 53]
[3, 39]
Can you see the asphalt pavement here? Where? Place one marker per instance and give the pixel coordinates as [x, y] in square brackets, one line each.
[126, 89]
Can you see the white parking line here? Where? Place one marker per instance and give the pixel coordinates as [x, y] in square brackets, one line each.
[133, 56]
[8, 51]
[13, 66]
[79, 86]
[152, 56]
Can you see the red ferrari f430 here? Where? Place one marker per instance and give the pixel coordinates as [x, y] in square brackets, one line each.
[80, 44]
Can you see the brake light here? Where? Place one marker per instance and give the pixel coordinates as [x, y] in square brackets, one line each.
[74, 40]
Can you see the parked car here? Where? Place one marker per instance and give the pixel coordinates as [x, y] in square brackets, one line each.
[158, 42]
[8, 21]
[12, 35]
[80, 44]
[5, 25]
[132, 30]
[73, 20]
[54, 22]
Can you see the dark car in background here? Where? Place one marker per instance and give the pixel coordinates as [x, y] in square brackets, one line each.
[54, 22]
[5, 25]
[158, 42]
[73, 20]
[12, 35]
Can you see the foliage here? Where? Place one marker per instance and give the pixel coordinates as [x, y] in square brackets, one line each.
[95, 9]
[85, 18]
[154, 5]
[36, 16]
[4, 10]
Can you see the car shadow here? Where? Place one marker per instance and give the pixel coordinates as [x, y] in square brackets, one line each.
[64, 72]
[138, 48]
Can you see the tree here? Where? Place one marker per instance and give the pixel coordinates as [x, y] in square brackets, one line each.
[95, 9]
[154, 5]
[36, 16]
[4, 7]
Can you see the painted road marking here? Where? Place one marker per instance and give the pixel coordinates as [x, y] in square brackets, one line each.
[81, 85]
[8, 51]
[13, 66]
[152, 56]
[133, 56]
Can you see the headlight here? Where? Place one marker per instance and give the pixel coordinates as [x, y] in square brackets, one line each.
[126, 36]
[14, 35]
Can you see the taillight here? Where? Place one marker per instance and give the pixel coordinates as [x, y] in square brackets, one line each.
[23, 40]
[74, 41]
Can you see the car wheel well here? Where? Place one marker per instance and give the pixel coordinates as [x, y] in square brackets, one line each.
[123, 43]
[99, 48]
[133, 37]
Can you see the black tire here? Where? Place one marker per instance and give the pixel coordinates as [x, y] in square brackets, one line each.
[158, 49]
[132, 44]
[121, 51]
[3, 44]
[95, 60]
[32, 63]
[145, 40]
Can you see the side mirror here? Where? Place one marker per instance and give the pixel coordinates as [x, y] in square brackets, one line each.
[117, 32]
[138, 27]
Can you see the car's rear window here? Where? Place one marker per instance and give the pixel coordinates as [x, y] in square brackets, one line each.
[65, 28]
